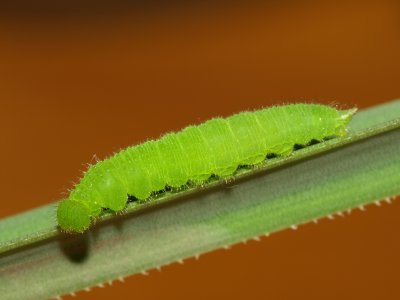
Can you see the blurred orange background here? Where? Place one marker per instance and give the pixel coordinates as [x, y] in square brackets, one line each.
[91, 77]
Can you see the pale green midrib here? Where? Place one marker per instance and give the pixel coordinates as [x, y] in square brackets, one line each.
[36, 224]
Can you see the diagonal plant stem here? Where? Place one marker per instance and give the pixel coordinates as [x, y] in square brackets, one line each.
[314, 182]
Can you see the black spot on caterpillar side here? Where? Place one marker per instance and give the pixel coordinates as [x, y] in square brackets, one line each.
[195, 154]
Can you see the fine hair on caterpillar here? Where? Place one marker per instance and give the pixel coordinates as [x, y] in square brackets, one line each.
[215, 148]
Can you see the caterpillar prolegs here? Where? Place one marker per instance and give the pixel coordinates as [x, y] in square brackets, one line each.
[216, 147]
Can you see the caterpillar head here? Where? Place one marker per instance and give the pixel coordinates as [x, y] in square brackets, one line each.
[73, 216]
[345, 117]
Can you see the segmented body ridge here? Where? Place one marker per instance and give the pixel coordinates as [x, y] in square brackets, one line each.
[216, 147]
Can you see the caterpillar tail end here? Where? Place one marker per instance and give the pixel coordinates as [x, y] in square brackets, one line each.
[345, 117]
[73, 216]
[346, 114]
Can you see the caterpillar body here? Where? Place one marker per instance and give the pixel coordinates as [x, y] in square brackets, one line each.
[217, 147]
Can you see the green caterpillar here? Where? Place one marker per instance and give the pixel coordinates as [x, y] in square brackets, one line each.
[217, 147]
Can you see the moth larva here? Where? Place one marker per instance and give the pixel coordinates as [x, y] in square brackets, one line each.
[194, 154]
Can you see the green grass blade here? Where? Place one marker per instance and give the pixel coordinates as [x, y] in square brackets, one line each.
[315, 182]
